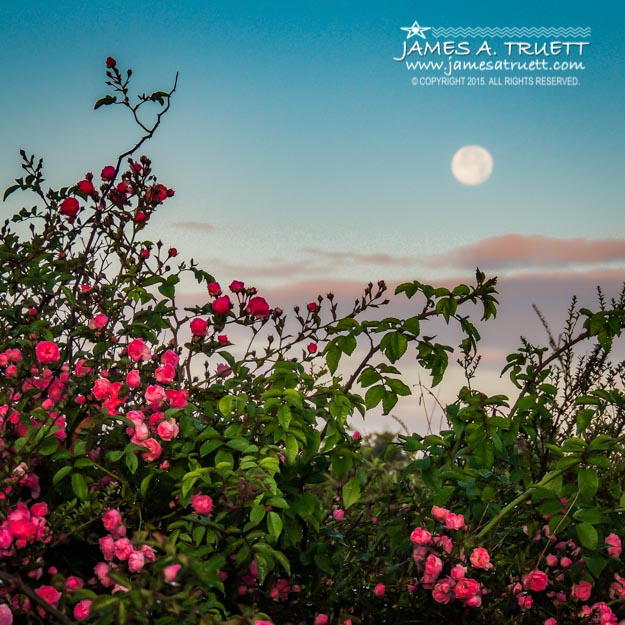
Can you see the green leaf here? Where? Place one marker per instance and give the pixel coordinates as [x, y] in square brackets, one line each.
[333, 355]
[274, 524]
[368, 377]
[105, 101]
[374, 396]
[284, 417]
[587, 535]
[587, 482]
[60, 474]
[351, 492]
[79, 486]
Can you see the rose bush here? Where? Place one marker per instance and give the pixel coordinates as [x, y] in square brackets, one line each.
[156, 472]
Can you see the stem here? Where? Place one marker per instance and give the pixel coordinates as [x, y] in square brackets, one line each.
[520, 499]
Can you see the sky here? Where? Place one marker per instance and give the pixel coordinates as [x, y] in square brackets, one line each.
[305, 160]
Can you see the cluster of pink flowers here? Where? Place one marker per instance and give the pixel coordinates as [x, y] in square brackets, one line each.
[431, 553]
[24, 526]
[116, 547]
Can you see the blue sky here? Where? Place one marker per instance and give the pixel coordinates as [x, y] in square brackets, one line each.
[302, 155]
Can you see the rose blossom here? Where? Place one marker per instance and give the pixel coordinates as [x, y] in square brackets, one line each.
[136, 561]
[442, 591]
[536, 580]
[214, 289]
[222, 305]
[258, 307]
[6, 616]
[614, 545]
[155, 395]
[154, 450]
[198, 327]
[133, 379]
[49, 594]
[439, 514]
[177, 398]
[82, 609]
[138, 350]
[338, 515]
[123, 548]
[581, 591]
[379, 590]
[480, 559]
[47, 352]
[236, 286]
[70, 207]
[168, 429]
[108, 173]
[165, 374]
[454, 521]
[202, 504]
[419, 536]
[467, 588]
[171, 572]
[170, 357]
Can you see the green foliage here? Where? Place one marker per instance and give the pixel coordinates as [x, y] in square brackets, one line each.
[235, 471]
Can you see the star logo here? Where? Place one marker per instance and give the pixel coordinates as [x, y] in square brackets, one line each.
[415, 30]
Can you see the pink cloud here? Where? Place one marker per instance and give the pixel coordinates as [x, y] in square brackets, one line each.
[516, 250]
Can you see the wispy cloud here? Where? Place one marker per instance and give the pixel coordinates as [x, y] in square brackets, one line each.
[512, 251]
[195, 225]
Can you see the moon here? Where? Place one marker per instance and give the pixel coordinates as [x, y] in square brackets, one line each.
[472, 165]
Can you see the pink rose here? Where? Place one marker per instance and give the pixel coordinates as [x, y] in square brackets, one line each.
[49, 594]
[222, 305]
[467, 588]
[433, 568]
[177, 399]
[419, 536]
[480, 559]
[236, 286]
[138, 350]
[581, 591]
[82, 609]
[165, 374]
[202, 504]
[614, 545]
[47, 352]
[170, 357]
[536, 580]
[123, 548]
[133, 379]
[154, 450]
[379, 590]
[136, 561]
[459, 571]
[98, 322]
[168, 430]
[107, 547]
[155, 395]
[439, 514]
[171, 572]
[6, 616]
[258, 307]
[312, 348]
[73, 583]
[198, 327]
[112, 520]
[454, 521]
[321, 619]
[338, 515]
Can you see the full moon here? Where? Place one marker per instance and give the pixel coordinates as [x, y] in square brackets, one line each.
[472, 165]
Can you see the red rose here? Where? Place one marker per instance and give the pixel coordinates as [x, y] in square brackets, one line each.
[108, 173]
[85, 186]
[70, 207]
[312, 348]
[110, 62]
[258, 308]
[214, 289]
[313, 307]
[236, 286]
[198, 327]
[222, 305]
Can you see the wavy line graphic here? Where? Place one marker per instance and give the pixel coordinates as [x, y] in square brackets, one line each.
[480, 31]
